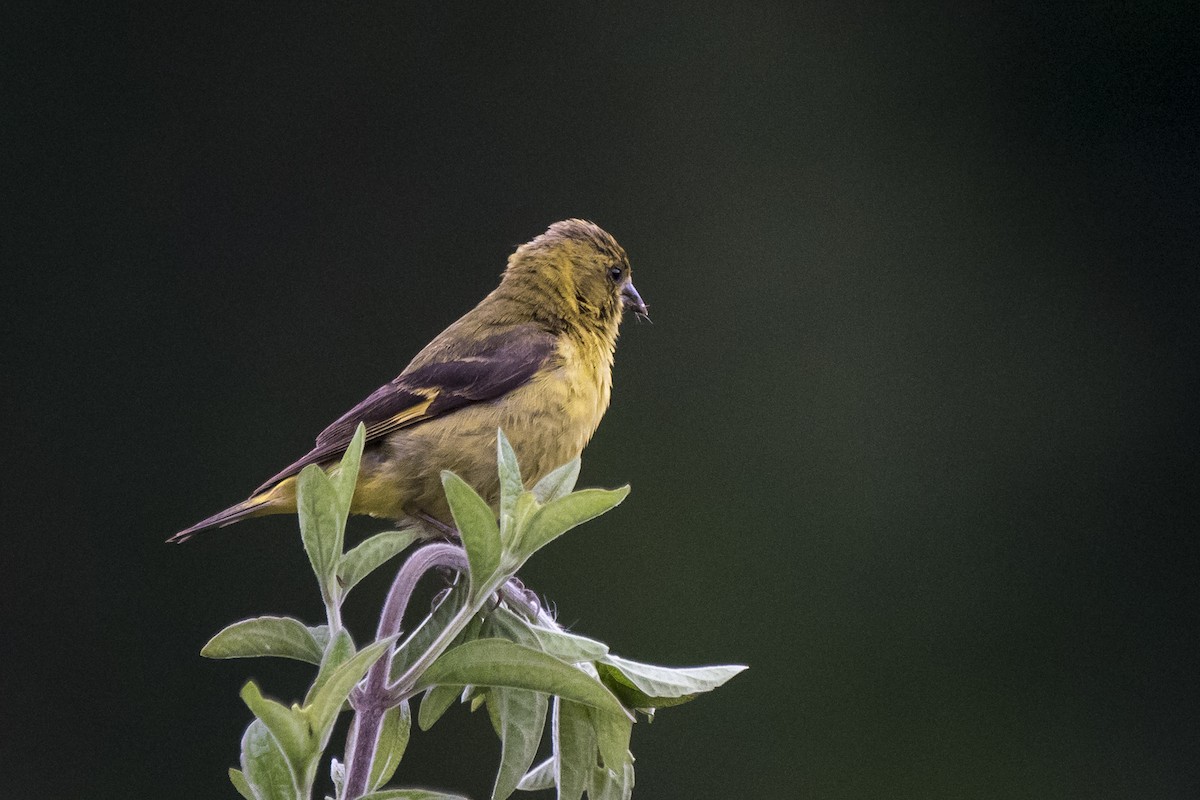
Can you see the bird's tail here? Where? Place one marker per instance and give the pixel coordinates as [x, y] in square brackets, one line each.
[279, 499]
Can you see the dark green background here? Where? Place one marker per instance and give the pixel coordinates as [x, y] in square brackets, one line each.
[911, 433]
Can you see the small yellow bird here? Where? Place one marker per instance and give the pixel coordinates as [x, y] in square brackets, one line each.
[534, 358]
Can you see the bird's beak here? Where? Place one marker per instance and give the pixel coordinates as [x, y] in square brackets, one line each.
[632, 301]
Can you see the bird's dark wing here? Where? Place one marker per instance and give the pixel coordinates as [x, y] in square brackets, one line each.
[485, 370]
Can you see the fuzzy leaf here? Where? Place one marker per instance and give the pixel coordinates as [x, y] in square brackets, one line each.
[337, 774]
[511, 486]
[504, 624]
[287, 726]
[435, 703]
[498, 662]
[238, 779]
[327, 701]
[558, 483]
[322, 524]
[559, 516]
[649, 686]
[264, 766]
[393, 740]
[609, 784]
[569, 647]
[412, 794]
[564, 646]
[477, 526]
[337, 652]
[370, 554]
[439, 698]
[540, 777]
[612, 737]
[321, 634]
[344, 477]
[265, 636]
[520, 717]
[574, 748]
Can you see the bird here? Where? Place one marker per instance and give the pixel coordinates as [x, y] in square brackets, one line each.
[534, 358]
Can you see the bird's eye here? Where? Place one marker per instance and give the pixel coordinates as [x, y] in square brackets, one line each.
[614, 274]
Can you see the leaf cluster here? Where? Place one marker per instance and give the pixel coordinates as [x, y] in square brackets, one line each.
[487, 643]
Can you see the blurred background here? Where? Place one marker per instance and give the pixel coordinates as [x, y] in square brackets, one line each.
[911, 434]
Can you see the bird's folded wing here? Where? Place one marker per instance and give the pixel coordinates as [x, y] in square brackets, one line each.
[483, 371]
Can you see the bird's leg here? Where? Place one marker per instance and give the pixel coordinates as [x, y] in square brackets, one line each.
[516, 589]
[448, 532]
[515, 593]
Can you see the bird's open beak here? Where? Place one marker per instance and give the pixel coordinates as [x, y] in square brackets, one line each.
[632, 301]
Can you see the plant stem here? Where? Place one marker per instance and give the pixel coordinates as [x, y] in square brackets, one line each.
[373, 698]
[333, 611]
[402, 687]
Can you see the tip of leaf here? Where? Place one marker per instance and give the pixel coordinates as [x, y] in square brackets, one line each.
[250, 690]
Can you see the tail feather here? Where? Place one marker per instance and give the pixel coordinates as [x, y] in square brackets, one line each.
[272, 501]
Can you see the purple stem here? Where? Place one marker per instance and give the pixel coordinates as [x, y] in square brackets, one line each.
[371, 700]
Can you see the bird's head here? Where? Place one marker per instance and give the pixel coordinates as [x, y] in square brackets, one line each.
[579, 273]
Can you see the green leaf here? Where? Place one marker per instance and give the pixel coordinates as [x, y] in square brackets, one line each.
[574, 748]
[328, 700]
[477, 526]
[322, 525]
[344, 477]
[511, 486]
[238, 779]
[498, 662]
[265, 636]
[412, 794]
[608, 784]
[520, 717]
[502, 623]
[264, 766]
[320, 633]
[568, 646]
[429, 629]
[562, 645]
[337, 774]
[393, 740]
[525, 506]
[540, 777]
[371, 554]
[612, 737]
[434, 704]
[649, 686]
[337, 652]
[287, 725]
[559, 516]
[557, 483]
[439, 698]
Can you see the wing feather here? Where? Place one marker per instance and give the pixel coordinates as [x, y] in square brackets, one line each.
[481, 371]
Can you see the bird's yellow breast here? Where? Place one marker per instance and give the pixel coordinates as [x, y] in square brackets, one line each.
[549, 420]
